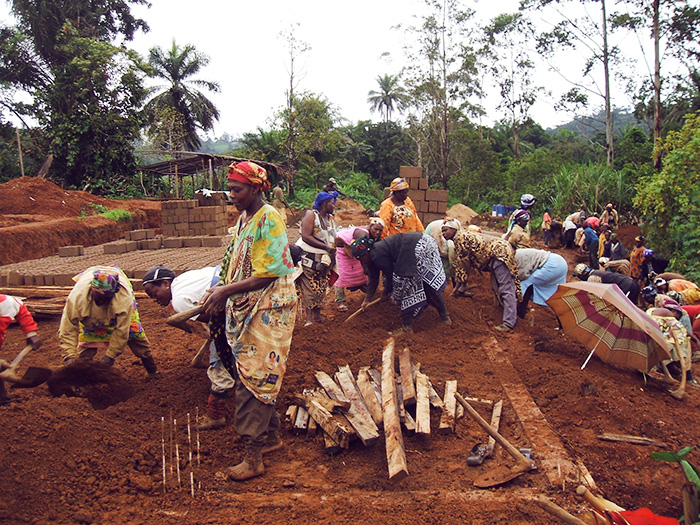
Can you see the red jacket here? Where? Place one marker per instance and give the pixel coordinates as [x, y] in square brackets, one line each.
[12, 309]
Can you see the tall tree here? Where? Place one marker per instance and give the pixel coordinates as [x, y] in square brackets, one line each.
[86, 91]
[673, 29]
[506, 41]
[442, 77]
[590, 34]
[177, 66]
[390, 97]
[295, 49]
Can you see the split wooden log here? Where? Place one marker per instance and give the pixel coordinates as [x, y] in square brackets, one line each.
[435, 400]
[395, 452]
[332, 448]
[495, 423]
[329, 424]
[407, 382]
[358, 414]
[321, 393]
[422, 405]
[291, 414]
[301, 421]
[447, 420]
[312, 427]
[627, 438]
[368, 434]
[369, 394]
[326, 402]
[404, 415]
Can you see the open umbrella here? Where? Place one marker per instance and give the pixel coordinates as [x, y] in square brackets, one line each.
[601, 317]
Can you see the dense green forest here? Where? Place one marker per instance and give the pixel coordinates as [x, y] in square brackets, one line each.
[67, 74]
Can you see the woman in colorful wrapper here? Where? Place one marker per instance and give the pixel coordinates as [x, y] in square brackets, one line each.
[252, 315]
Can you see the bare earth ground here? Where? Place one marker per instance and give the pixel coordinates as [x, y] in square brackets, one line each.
[67, 461]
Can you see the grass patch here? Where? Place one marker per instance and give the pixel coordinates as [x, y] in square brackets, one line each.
[117, 215]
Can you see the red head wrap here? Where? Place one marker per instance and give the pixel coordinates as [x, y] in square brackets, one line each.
[249, 173]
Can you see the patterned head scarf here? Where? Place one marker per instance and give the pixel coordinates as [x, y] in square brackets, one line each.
[398, 184]
[249, 173]
[639, 238]
[324, 196]
[361, 246]
[105, 282]
[452, 223]
[377, 220]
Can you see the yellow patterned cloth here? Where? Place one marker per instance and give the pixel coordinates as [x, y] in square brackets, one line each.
[401, 218]
[259, 323]
[475, 250]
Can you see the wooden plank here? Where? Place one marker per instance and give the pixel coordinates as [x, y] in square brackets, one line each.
[320, 393]
[495, 423]
[435, 399]
[627, 438]
[399, 398]
[422, 405]
[301, 421]
[312, 427]
[404, 415]
[407, 385]
[326, 402]
[369, 394]
[395, 452]
[376, 378]
[332, 448]
[447, 420]
[291, 414]
[331, 388]
[330, 425]
[358, 413]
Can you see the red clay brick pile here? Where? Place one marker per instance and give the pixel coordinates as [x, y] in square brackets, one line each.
[188, 218]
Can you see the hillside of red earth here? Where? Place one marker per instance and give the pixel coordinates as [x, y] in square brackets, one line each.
[98, 458]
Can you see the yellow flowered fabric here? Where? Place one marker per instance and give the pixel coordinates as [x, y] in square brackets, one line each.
[259, 323]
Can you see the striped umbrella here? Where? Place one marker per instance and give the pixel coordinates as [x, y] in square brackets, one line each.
[602, 318]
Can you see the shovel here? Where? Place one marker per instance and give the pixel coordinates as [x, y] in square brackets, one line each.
[499, 475]
[34, 376]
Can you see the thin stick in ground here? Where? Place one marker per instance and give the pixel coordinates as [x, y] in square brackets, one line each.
[177, 454]
[162, 445]
[171, 441]
[189, 441]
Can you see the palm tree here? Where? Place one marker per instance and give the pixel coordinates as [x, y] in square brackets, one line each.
[391, 96]
[177, 66]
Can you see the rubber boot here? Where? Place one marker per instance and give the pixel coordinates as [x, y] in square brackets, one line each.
[251, 466]
[274, 442]
[216, 409]
[445, 318]
[150, 365]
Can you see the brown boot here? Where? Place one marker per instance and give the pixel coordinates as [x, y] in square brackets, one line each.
[274, 442]
[212, 424]
[251, 466]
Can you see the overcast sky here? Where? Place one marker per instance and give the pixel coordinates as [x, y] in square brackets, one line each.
[351, 44]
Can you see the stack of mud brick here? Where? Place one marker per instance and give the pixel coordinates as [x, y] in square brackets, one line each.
[430, 204]
[135, 240]
[187, 218]
[190, 224]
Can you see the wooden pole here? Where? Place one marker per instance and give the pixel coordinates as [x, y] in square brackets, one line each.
[19, 148]
[557, 511]
[211, 175]
[395, 452]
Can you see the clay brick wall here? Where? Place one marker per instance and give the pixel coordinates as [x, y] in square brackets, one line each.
[188, 218]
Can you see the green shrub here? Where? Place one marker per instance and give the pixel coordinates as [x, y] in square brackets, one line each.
[117, 215]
